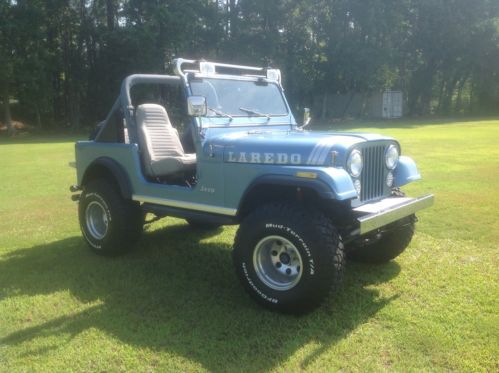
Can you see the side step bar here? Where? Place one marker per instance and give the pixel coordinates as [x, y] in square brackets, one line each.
[162, 211]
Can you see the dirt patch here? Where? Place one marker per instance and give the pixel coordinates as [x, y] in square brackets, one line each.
[19, 126]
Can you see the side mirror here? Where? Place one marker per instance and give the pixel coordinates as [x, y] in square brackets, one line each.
[196, 106]
[306, 117]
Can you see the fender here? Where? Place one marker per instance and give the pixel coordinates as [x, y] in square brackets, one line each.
[107, 164]
[331, 183]
[323, 190]
[319, 186]
[405, 172]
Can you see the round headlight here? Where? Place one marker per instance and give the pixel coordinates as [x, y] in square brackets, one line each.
[391, 157]
[354, 163]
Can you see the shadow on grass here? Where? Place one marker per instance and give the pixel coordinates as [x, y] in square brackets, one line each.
[179, 294]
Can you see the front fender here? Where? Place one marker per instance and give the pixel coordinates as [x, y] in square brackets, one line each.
[340, 182]
[406, 172]
[329, 183]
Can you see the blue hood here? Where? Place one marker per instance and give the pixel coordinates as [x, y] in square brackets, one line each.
[288, 147]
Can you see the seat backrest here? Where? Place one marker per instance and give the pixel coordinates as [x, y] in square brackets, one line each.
[157, 138]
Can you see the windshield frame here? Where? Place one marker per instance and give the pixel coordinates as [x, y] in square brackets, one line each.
[248, 78]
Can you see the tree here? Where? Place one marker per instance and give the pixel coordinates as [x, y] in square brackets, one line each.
[63, 60]
[7, 60]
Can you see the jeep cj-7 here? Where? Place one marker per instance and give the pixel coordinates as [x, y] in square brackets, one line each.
[304, 201]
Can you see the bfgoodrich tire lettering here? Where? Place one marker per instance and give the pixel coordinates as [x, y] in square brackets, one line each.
[319, 254]
[110, 224]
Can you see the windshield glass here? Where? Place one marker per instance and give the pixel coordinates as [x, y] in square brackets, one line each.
[226, 97]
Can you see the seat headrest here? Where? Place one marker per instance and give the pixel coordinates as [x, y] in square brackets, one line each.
[146, 111]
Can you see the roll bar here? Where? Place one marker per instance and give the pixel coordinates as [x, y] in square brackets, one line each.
[124, 102]
[178, 62]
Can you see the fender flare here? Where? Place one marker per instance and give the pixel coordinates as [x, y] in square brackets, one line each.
[115, 169]
[322, 189]
[406, 171]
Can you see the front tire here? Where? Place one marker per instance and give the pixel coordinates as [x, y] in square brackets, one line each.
[388, 247]
[110, 224]
[288, 257]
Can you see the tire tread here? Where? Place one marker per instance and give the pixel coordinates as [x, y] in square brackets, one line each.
[321, 233]
[127, 217]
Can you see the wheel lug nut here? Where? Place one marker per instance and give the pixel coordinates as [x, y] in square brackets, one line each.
[278, 264]
[288, 271]
[274, 253]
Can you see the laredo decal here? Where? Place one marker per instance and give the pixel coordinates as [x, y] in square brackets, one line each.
[270, 158]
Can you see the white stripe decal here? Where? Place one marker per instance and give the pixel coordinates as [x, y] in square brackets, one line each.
[319, 153]
[312, 154]
[185, 205]
[324, 154]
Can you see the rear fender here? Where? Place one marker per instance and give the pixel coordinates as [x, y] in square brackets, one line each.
[104, 167]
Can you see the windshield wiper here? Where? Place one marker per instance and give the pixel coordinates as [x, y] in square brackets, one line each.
[221, 113]
[254, 112]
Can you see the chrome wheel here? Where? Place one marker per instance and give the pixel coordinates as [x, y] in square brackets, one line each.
[277, 262]
[96, 219]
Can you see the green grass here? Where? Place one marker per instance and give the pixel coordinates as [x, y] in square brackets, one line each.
[176, 304]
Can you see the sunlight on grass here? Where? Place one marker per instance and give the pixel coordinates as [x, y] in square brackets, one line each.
[176, 304]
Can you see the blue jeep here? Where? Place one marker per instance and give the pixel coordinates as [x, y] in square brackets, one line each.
[234, 154]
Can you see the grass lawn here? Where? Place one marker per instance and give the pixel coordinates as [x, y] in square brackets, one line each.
[176, 304]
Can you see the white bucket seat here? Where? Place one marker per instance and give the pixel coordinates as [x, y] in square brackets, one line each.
[161, 149]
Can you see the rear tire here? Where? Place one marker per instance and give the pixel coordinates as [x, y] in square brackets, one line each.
[388, 247]
[288, 257]
[110, 224]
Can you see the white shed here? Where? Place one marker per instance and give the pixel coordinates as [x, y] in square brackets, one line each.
[392, 104]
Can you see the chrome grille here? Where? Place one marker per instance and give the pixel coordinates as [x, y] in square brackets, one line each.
[373, 173]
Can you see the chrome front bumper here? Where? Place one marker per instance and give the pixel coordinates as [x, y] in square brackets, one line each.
[388, 210]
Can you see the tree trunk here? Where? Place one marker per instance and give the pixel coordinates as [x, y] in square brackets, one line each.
[324, 106]
[441, 95]
[447, 99]
[426, 94]
[470, 107]
[459, 99]
[11, 131]
[347, 106]
[110, 14]
[232, 19]
[74, 114]
[363, 105]
[38, 117]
